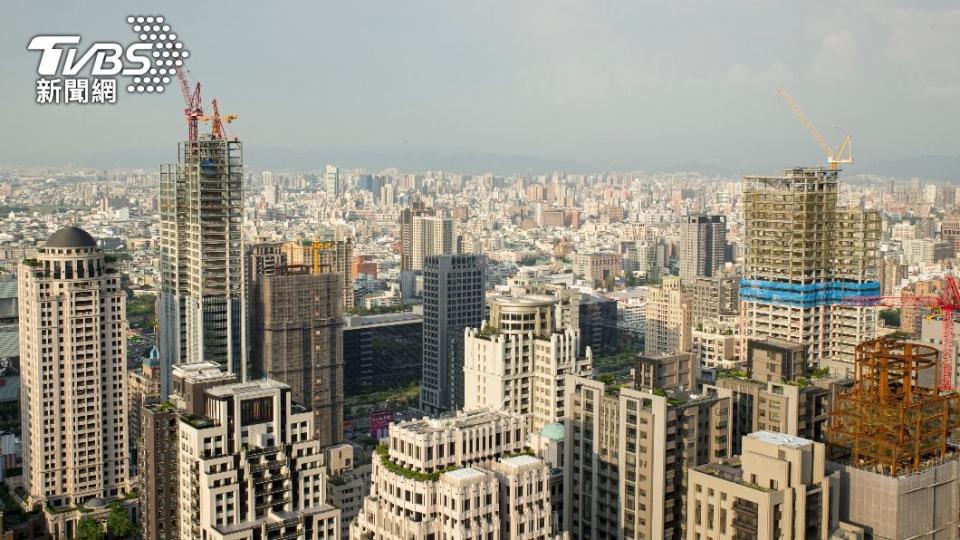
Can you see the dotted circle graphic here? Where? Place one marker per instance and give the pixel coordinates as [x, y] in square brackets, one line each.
[167, 53]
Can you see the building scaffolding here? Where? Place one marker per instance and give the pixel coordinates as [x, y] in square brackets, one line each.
[889, 421]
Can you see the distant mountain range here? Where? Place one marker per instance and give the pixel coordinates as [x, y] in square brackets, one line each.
[933, 167]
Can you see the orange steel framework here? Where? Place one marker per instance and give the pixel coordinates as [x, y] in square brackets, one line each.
[889, 420]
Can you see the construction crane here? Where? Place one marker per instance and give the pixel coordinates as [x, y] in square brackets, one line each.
[948, 303]
[193, 107]
[217, 129]
[842, 154]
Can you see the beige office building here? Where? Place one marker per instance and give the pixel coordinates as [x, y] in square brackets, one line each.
[627, 457]
[778, 489]
[519, 359]
[74, 378]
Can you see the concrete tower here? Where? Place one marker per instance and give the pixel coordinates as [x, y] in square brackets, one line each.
[805, 255]
[201, 308]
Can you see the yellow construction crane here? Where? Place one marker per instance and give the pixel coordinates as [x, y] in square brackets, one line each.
[217, 129]
[842, 154]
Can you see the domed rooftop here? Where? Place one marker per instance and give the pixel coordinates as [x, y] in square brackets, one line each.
[71, 237]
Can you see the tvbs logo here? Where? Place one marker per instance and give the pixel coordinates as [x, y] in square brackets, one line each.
[148, 64]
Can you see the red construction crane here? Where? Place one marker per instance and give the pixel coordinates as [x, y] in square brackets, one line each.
[193, 107]
[948, 303]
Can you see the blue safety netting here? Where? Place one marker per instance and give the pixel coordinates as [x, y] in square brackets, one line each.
[805, 295]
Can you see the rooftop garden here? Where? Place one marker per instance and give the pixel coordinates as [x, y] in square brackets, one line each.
[527, 451]
[384, 453]
[487, 331]
[197, 421]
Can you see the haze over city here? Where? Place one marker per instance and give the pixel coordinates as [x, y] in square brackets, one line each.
[574, 86]
[536, 270]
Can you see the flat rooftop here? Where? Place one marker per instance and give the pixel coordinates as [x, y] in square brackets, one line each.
[780, 439]
[520, 461]
[457, 420]
[465, 473]
[249, 387]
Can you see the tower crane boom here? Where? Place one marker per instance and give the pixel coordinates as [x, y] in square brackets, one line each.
[842, 154]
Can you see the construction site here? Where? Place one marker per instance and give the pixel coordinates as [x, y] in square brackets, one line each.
[890, 439]
[201, 308]
[805, 257]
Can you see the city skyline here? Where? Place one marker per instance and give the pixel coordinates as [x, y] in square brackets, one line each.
[227, 348]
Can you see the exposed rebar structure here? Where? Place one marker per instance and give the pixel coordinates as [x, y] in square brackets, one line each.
[889, 420]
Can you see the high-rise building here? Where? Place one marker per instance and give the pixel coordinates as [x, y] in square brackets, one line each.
[594, 316]
[348, 483]
[668, 318]
[518, 360]
[298, 340]
[250, 467]
[778, 488]
[628, 454]
[416, 209]
[804, 256]
[143, 386]
[432, 235]
[712, 297]
[325, 257]
[453, 300]
[461, 476]
[713, 343]
[665, 371]
[702, 241]
[158, 476]
[201, 305]
[798, 406]
[331, 180]
[72, 314]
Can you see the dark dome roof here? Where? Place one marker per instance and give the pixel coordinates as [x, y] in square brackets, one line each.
[71, 237]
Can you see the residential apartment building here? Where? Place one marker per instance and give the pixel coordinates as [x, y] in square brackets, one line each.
[463, 475]
[73, 369]
[779, 488]
[519, 359]
[667, 327]
[628, 454]
[596, 268]
[714, 343]
[250, 467]
[702, 242]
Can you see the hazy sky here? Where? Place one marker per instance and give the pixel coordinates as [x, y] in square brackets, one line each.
[612, 84]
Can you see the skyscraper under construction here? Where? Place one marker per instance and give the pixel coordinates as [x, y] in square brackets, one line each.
[201, 307]
[805, 256]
